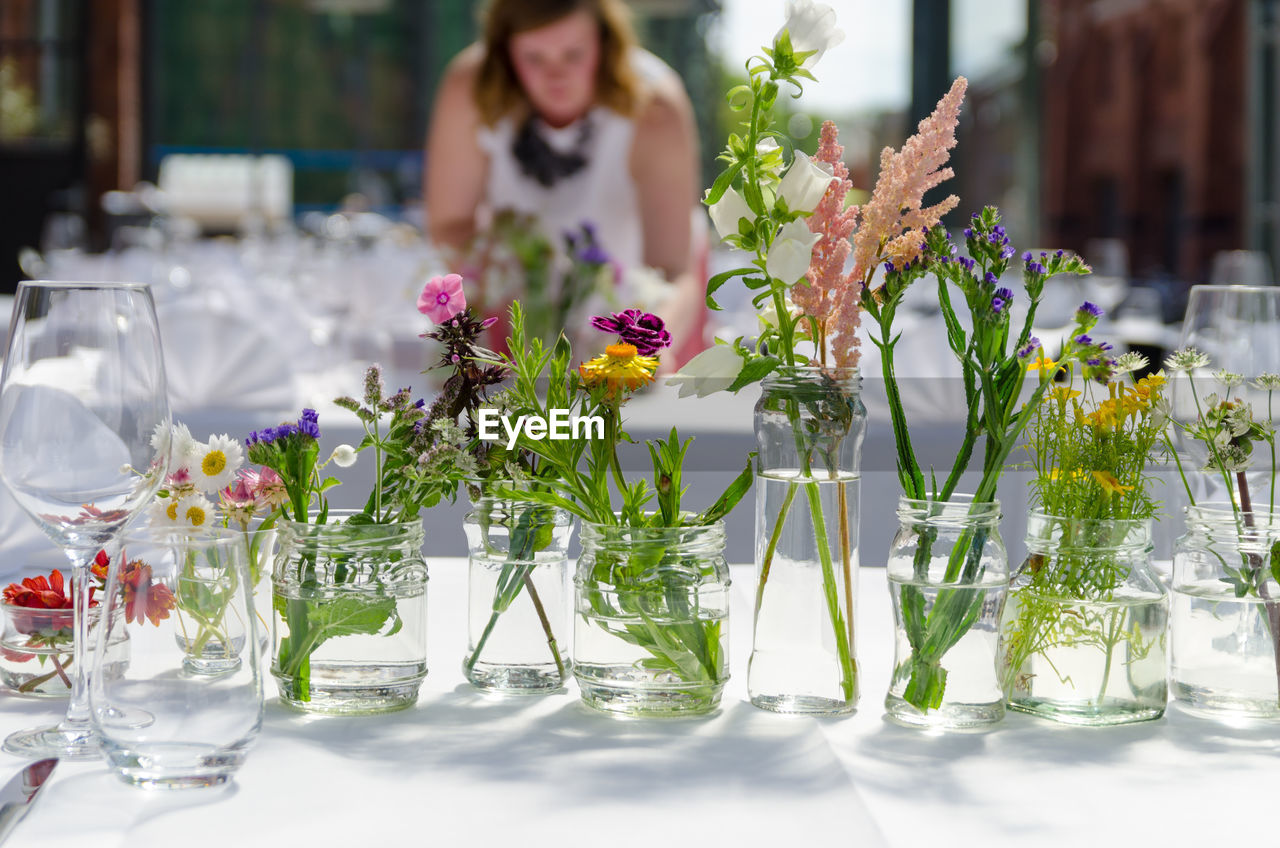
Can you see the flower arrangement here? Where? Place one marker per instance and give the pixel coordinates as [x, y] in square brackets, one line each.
[39, 620]
[1078, 597]
[514, 258]
[585, 478]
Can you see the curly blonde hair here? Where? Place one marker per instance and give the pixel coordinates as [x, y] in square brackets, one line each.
[498, 92]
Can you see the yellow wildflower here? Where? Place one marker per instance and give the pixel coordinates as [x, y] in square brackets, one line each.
[1109, 483]
[619, 367]
[1061, 394]
[1041, 363]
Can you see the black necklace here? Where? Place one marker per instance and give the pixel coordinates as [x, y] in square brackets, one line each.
[539, 160]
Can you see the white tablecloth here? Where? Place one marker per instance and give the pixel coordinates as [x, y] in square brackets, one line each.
[462, 769]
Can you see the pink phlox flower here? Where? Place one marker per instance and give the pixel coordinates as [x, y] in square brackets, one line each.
[442, 298]
[894, 219]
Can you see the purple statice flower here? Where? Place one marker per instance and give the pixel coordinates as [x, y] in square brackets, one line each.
[998, 304]
[1083, 340]
[968, 232]
[308, 424]
[635, 327]
[1032, 345]
[1060, 253]
[1007, 251]
[967, 263]
[1094, 362]
[991, 278]
[1035, 268]
[888, 266]
[1088, 312]
[419, 403]
[593, 254]
[1026, 257]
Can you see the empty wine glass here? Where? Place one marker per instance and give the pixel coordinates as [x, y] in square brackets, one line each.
[84, 444]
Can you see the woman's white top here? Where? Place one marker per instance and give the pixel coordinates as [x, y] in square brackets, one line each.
[602, 193]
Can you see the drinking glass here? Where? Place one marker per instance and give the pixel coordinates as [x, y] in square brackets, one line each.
[84, 444]
[188, 708]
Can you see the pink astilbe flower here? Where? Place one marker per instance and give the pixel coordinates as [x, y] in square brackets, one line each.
[893, 222]
[833, 223]
[832, 298]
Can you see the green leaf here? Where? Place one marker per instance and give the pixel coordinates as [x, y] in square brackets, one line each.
[732, 495]
[719, 280]
[722, 183]
[756, 368]
[349, 615]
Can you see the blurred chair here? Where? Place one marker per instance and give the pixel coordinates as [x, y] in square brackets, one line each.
[1241, 268]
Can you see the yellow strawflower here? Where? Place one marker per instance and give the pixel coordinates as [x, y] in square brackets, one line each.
[619, 367]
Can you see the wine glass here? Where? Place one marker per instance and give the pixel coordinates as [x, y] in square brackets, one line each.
[1238, 327]
[84, 444]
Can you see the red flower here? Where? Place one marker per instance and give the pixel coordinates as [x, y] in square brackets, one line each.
[39, 592]
[142, 598]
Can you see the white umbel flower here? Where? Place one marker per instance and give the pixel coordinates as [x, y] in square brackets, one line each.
[344, 456]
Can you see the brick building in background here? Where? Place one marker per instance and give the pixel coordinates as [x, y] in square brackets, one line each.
[1159, 129]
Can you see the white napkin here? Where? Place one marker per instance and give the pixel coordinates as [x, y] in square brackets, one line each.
[225, 358]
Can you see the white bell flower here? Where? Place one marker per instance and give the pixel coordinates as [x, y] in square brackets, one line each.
[791, 252]
[812, 26]
[727, 211]
[805, 183]
[711, 371]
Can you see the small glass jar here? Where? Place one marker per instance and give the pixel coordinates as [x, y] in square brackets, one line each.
[652, 636]
[809, 426]
[1225, 657]
[349, 630]
[36, 655]
[1084, 633]
[948, 578]
[518, 614]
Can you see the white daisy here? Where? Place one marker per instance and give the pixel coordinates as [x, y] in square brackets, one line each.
[213, 466]
[192, 512]
[179, 443]
[164, 512]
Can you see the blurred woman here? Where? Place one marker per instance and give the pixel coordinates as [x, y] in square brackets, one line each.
[559, 114]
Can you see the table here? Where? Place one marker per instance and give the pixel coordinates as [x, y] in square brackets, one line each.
[461, 768]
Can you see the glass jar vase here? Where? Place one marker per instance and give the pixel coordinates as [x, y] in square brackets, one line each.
[809, 424]
[349, 623]
[1084, 634]
[948, 578]
[518, 615]
[652, 635]
[36, 655]
[1225, 657]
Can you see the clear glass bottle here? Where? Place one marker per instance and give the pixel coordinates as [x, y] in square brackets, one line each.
[349, 618]
[652, 635]
[948, 578]
[1225, 656]
[1085, 630]
[809, 424]
[518, 613]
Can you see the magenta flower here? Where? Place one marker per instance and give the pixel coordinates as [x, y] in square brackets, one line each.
[442, 298]
[647, 332]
